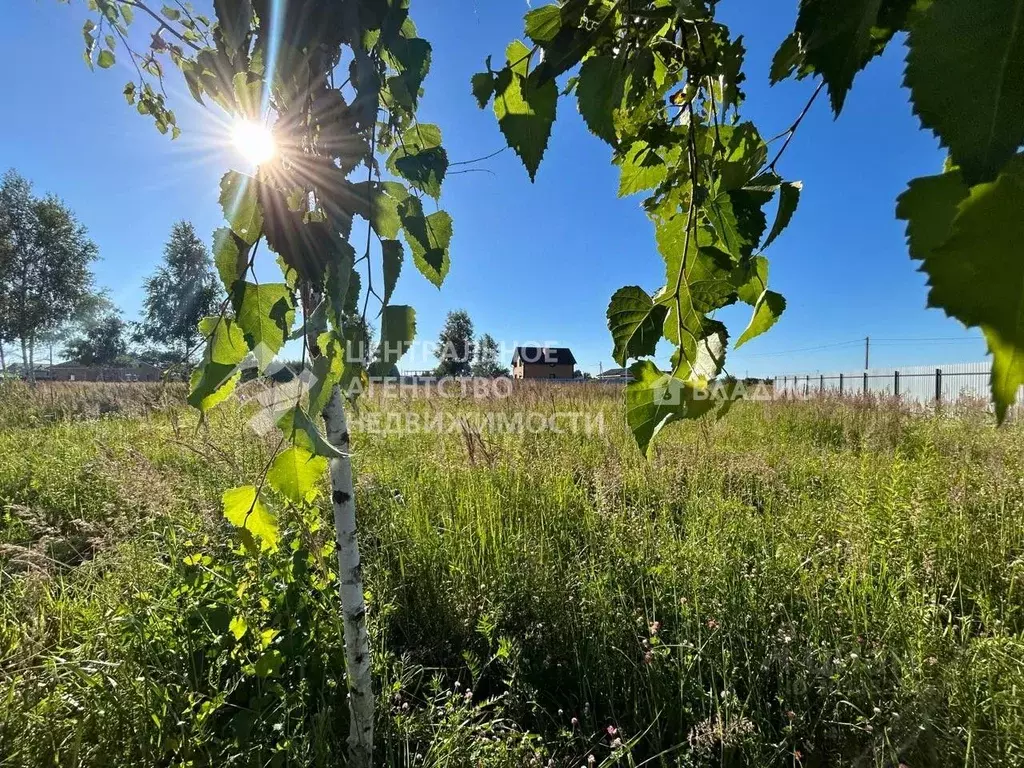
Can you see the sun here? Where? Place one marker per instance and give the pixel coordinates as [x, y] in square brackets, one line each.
[254, 140]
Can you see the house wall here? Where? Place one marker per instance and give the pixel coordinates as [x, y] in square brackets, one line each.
[91, 373]
[543, 371]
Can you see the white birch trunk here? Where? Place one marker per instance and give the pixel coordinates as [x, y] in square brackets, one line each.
[350, 587]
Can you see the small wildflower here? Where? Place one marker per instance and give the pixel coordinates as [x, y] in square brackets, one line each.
[712, 624]
[649, 657]
[612, 730]
[616, 743]
[655, 626]
[591, 759]
[791, 714]
[574, 722]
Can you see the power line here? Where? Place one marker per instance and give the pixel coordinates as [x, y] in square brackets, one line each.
[852, 342]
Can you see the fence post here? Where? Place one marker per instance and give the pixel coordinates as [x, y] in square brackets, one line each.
[840, 384]
[938, 385]
[865, 390]
[807, 386]
[896, 383]
[821, 385]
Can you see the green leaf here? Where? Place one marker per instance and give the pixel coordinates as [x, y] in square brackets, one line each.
[239, 203]
[975, 263]
[789, 198]
[105, 59]
[738, 221]
[386, 198]
[837, 42]
[965, 71]
[640, 168]
[420, 159]
[269, 663]
[543, 24]
[216, 378]
[654, 399]
[392, 253]
[300, 429]
[170, 13]
[599, 93]
[429, 239]
[635, 322]
[339, 285]
[397, 331]
[483, 87]
[751, 279]
[929, 206]
[264, 313]
[525, 110]
[230, 255]
[244, 509]
[786, 59]
[708, 357]
[411, 57]
[295, 474]
[769, 307]
[328, 369]
[238, 627]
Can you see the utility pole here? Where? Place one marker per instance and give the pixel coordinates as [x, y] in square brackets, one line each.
[867, 352]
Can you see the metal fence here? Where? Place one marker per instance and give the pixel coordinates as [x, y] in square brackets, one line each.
[921, 383]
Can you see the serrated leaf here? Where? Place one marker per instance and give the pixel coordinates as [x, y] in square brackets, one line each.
[328, 370]
[429, 238]
[543, 24]
[483, 87]
[411, 57]
[216, 378]
[264, 313]
[786, 59]
[599, 93]
[635, 322]
[975, 263]
[769, 307]
[238, 201]
[244, 509]
[965, 72]
[837, 42]
[525, 110]
[789, 198]
[397, 331]
[738, 221]
[420, 159]
[295, 474]
[751, 279]
[392, 255]
[300, 429]
[654, 399]
[640, 168]
[230, 255]
[338, 285]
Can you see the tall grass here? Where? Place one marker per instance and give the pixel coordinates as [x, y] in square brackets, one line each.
[820, 583]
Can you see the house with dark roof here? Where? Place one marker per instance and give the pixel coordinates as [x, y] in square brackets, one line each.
[74, 371]
[543, 363]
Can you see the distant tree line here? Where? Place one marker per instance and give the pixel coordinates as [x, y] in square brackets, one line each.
[48, 296]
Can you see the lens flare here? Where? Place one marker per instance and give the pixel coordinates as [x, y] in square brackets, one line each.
[254, 140]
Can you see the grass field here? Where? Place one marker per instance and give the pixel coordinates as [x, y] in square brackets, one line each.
[799, 584]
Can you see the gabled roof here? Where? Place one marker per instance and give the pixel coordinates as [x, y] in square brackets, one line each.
[544, 355]
[613, 373]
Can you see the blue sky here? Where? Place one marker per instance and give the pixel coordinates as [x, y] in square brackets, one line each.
[529, 261]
